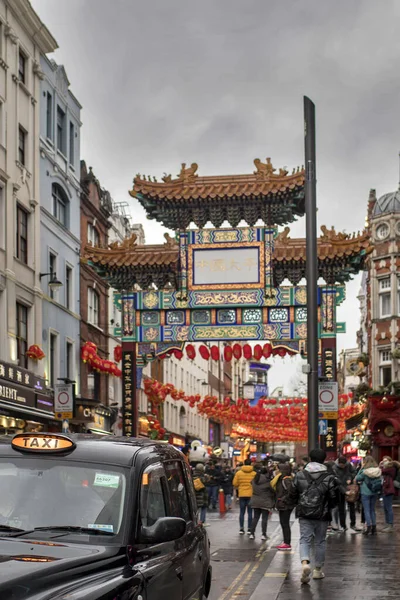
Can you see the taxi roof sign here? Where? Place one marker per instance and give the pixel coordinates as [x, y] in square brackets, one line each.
[41, 442]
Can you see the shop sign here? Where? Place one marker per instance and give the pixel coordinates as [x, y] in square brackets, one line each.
[329, 364]
[176, 440]
[17, 395]
[64, 400]
[143, 426]
[128, 392]
[329, 441]
[236, 453]
[45, 403]
[21, 376]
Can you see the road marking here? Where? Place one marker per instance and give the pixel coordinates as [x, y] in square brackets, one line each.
[235, 582]
[275, 574]
[259, 558]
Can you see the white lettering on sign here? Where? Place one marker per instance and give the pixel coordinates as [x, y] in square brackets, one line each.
[106, 480]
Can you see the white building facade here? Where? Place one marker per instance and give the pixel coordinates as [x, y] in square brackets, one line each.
[23, 39]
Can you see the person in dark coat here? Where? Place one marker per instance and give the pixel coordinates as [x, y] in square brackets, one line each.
[315, 492]
[227, 486]
[201, 494]
[262, 501]
[389, 470]
[283, 486]
[214, 481]
[345, 474]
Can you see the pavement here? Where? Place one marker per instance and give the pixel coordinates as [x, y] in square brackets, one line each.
[356, 568]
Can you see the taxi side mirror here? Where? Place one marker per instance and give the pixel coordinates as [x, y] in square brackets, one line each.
[165, 529]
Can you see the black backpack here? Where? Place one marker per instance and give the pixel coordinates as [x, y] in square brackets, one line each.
[313, 499]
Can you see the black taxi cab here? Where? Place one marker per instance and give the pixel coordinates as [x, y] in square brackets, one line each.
[91, 518]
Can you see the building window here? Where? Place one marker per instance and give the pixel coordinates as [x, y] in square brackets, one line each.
[52, 271]
[68, 287]
[22, 235]
[385, 367]
[93, 386]
[2, 219]
[93, 235]
[71, 143]
[53, 358]
[21, 67]
[69, 357]
[398, 295]
[61, 130]
[49, 116]
[93, 307]
[60, 204]
[22, 335]
[384, 297]
[21, 145]
[2, 125]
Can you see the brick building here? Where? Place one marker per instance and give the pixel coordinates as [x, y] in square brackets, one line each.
[96, 208]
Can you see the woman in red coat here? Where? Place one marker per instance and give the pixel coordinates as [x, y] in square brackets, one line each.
[389, 471]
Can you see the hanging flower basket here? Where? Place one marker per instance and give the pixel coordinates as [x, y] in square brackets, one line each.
[396, 353]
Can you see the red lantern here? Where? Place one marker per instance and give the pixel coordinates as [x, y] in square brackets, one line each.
[247, 352]
[267, 350]
[204, 352]
[237, 351]
[191, 352]
[258, 352]
[118, 354]
[178, 354]
[215, 352]
[228, 353]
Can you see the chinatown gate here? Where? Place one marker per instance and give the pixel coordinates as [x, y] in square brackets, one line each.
[223, 284]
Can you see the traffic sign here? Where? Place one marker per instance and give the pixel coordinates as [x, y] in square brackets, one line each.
[328, 398]
[323, 426]
[64, 400]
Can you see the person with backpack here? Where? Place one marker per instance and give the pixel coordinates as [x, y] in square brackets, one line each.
[199, 483]
[262, 501]
[283, 486]
[315, 492]
[370, 478]
[389, 470]
[345, 473]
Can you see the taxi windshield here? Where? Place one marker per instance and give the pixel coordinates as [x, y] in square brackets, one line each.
[41, 493]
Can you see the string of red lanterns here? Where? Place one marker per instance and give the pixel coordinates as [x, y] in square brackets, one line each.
[89, 355]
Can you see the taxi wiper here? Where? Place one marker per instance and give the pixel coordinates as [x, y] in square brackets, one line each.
[74, 528]
[9, 528]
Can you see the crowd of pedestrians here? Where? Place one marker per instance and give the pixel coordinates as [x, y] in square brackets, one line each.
[322, 493]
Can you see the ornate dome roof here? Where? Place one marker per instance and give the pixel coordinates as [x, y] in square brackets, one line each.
[388, 203]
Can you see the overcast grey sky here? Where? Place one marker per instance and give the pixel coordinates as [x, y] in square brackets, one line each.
[221, 82]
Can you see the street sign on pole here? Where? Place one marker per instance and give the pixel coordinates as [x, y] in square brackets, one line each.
[328, 402]
[323, 426]
[64, 400]
[311, 271]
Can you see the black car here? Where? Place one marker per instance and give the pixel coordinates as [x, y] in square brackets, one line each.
[91, 518]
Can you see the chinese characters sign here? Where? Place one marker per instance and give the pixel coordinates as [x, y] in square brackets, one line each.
[329, 441]
[128, 394]
[222, 267]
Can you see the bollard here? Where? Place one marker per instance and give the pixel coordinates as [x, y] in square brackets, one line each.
[222, 507]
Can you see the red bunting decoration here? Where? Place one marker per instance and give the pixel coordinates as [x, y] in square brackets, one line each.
[191, 352]
[178, 354]
[247, 352]
[237, 351]
[215, 352]
[89, 355]
[204, 352]
[228, 353]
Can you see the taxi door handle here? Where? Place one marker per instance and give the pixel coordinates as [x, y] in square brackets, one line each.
[200, 555]
[179, 572]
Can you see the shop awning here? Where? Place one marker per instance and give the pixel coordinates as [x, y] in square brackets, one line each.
[99, 431]
[25, 411]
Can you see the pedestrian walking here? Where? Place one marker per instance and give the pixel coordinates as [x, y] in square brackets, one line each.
[214, 480]
[199, 482]
[262, 502]
[389, 470]
[370, 477]
[227, 486]
[345, 474]
[283, 486]
[242, 481]
[315, 492]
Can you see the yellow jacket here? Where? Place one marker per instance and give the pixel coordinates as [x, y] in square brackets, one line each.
[242, 481]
